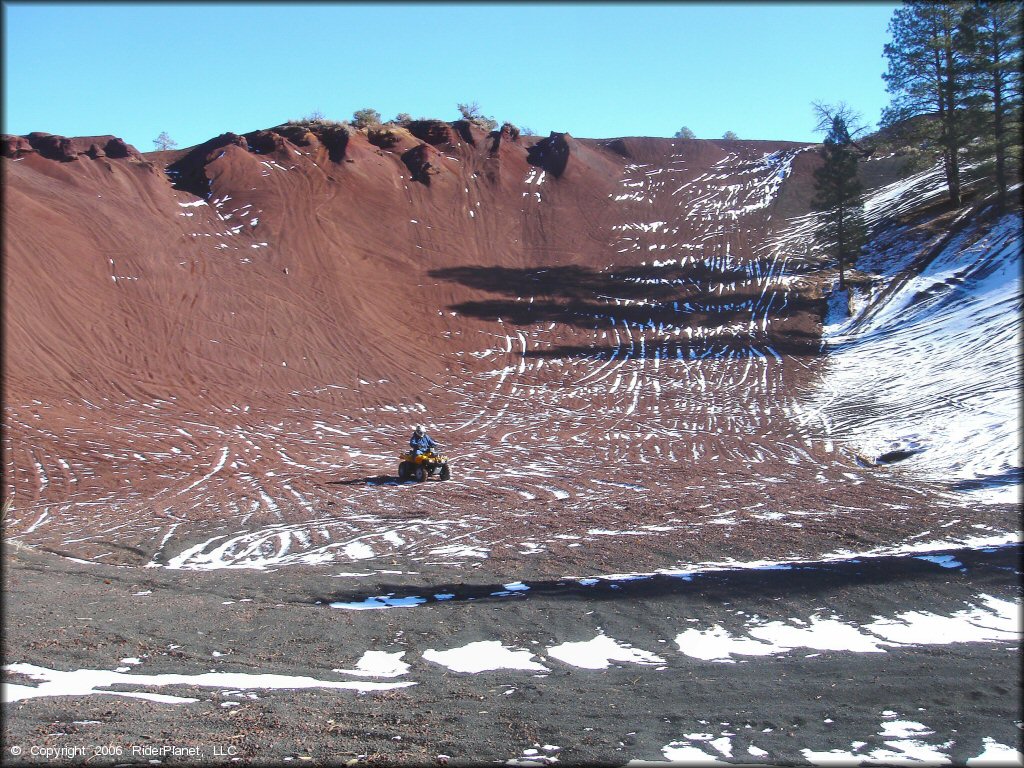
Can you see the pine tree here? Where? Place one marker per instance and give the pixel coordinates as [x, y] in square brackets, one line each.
[927, 75]
[838, 196]
[164, 141]
[990, 34]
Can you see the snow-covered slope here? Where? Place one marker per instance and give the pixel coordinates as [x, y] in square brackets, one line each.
[927, 372]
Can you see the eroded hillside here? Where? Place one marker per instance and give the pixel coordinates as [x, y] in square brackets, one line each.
[616, 341]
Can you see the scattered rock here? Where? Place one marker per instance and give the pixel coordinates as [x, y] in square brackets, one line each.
[899, 454]
[892, 456]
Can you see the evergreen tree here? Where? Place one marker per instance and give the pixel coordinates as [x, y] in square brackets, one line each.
[685, 133]
[838, 195]
[927, 75]
[990, 34]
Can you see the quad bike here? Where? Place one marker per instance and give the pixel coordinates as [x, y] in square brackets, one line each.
[422, 466]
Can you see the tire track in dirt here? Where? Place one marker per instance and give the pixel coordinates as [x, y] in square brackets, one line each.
[648, 382]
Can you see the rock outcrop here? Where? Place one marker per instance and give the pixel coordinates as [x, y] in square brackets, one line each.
[421, 161]
[189, 171]
[618, 146]
[333, 136]
[16, 146]
[265, 142]
[297, 134]
[383, 136]
[465, 130]
[432, 132]
[66, 149]
[335, 140]
[507, 133]
[552, 153]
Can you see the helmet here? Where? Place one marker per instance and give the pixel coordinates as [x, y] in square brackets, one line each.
[419, 429]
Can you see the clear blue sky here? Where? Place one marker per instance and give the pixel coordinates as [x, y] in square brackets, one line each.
[597, 71]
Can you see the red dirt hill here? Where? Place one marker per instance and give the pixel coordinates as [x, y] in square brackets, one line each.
[290, 258]
[235, 337]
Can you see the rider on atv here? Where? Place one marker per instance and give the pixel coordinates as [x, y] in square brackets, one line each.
[423, 459]
[420, 441]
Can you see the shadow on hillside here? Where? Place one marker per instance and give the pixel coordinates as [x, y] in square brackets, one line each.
[696, 296]
[636, 283]
[692, 313]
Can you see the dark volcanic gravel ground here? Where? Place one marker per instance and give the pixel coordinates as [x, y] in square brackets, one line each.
[90, 617]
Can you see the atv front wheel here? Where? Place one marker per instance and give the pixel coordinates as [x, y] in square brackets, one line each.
[446, 473]
[420, 473]
[404, 471]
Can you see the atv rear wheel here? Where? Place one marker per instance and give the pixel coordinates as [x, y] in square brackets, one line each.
[446, 473]
[420, 473]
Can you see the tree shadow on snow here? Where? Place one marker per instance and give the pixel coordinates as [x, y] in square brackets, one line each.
[1012, 476]
[797, 581]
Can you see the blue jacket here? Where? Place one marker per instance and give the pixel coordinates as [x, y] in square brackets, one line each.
[421, 443]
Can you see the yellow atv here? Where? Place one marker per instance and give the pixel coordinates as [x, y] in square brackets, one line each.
[422, 466]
